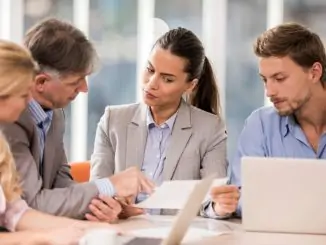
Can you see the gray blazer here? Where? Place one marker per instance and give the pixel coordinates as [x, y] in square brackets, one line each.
[52, 191]
[197, 146]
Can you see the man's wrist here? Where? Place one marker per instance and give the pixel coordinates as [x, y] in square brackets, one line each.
[105, 187]
[218, 212]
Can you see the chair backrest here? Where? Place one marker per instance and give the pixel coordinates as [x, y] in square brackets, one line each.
[80, 171]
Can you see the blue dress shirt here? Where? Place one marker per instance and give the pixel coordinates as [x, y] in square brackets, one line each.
[157, 142]
[267, 134]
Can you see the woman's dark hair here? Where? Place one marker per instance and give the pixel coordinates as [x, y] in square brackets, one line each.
[185, 44]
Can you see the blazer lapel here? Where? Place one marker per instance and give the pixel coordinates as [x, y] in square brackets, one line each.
[35, 148]
[136, 138]
[27, 122]
[181, 134]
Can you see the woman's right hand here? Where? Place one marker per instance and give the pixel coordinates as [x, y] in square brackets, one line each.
[64, 236]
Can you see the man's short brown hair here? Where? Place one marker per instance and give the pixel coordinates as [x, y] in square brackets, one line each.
[303, 46]
[58, 45]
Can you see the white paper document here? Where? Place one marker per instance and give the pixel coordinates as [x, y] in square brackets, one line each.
[173, 194]
[184, 195]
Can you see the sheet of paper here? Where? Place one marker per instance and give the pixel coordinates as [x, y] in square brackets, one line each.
[173, 194]
[163, 232]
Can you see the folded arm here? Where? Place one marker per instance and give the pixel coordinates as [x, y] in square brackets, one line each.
[71, 200]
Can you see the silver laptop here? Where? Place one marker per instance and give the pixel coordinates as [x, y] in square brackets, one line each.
[284, 195]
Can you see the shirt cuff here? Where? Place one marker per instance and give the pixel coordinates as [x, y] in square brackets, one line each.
[209, 212]
[105, 187]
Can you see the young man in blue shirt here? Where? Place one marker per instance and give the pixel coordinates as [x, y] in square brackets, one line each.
[292, 65]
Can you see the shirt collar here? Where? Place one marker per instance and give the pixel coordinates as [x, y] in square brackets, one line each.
[150, 121]
[288, 123]
[38, 114]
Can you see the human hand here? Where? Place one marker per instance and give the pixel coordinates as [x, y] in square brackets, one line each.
[128, 210]
[225, 199]
[130, 182]
[105, 209]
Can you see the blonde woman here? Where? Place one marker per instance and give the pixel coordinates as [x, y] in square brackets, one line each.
[17, 70]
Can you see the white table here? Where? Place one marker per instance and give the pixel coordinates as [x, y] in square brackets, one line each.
[234, 232]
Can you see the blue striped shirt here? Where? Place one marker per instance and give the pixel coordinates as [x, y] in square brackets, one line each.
[43, 120]
[157, 142]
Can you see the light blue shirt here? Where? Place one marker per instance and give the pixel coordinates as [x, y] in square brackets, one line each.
[267, 134]
[156, 144]
[158, 138]
[43, 121]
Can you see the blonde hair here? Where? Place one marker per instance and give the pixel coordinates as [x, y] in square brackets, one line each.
[17, 70]
[9, 180]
